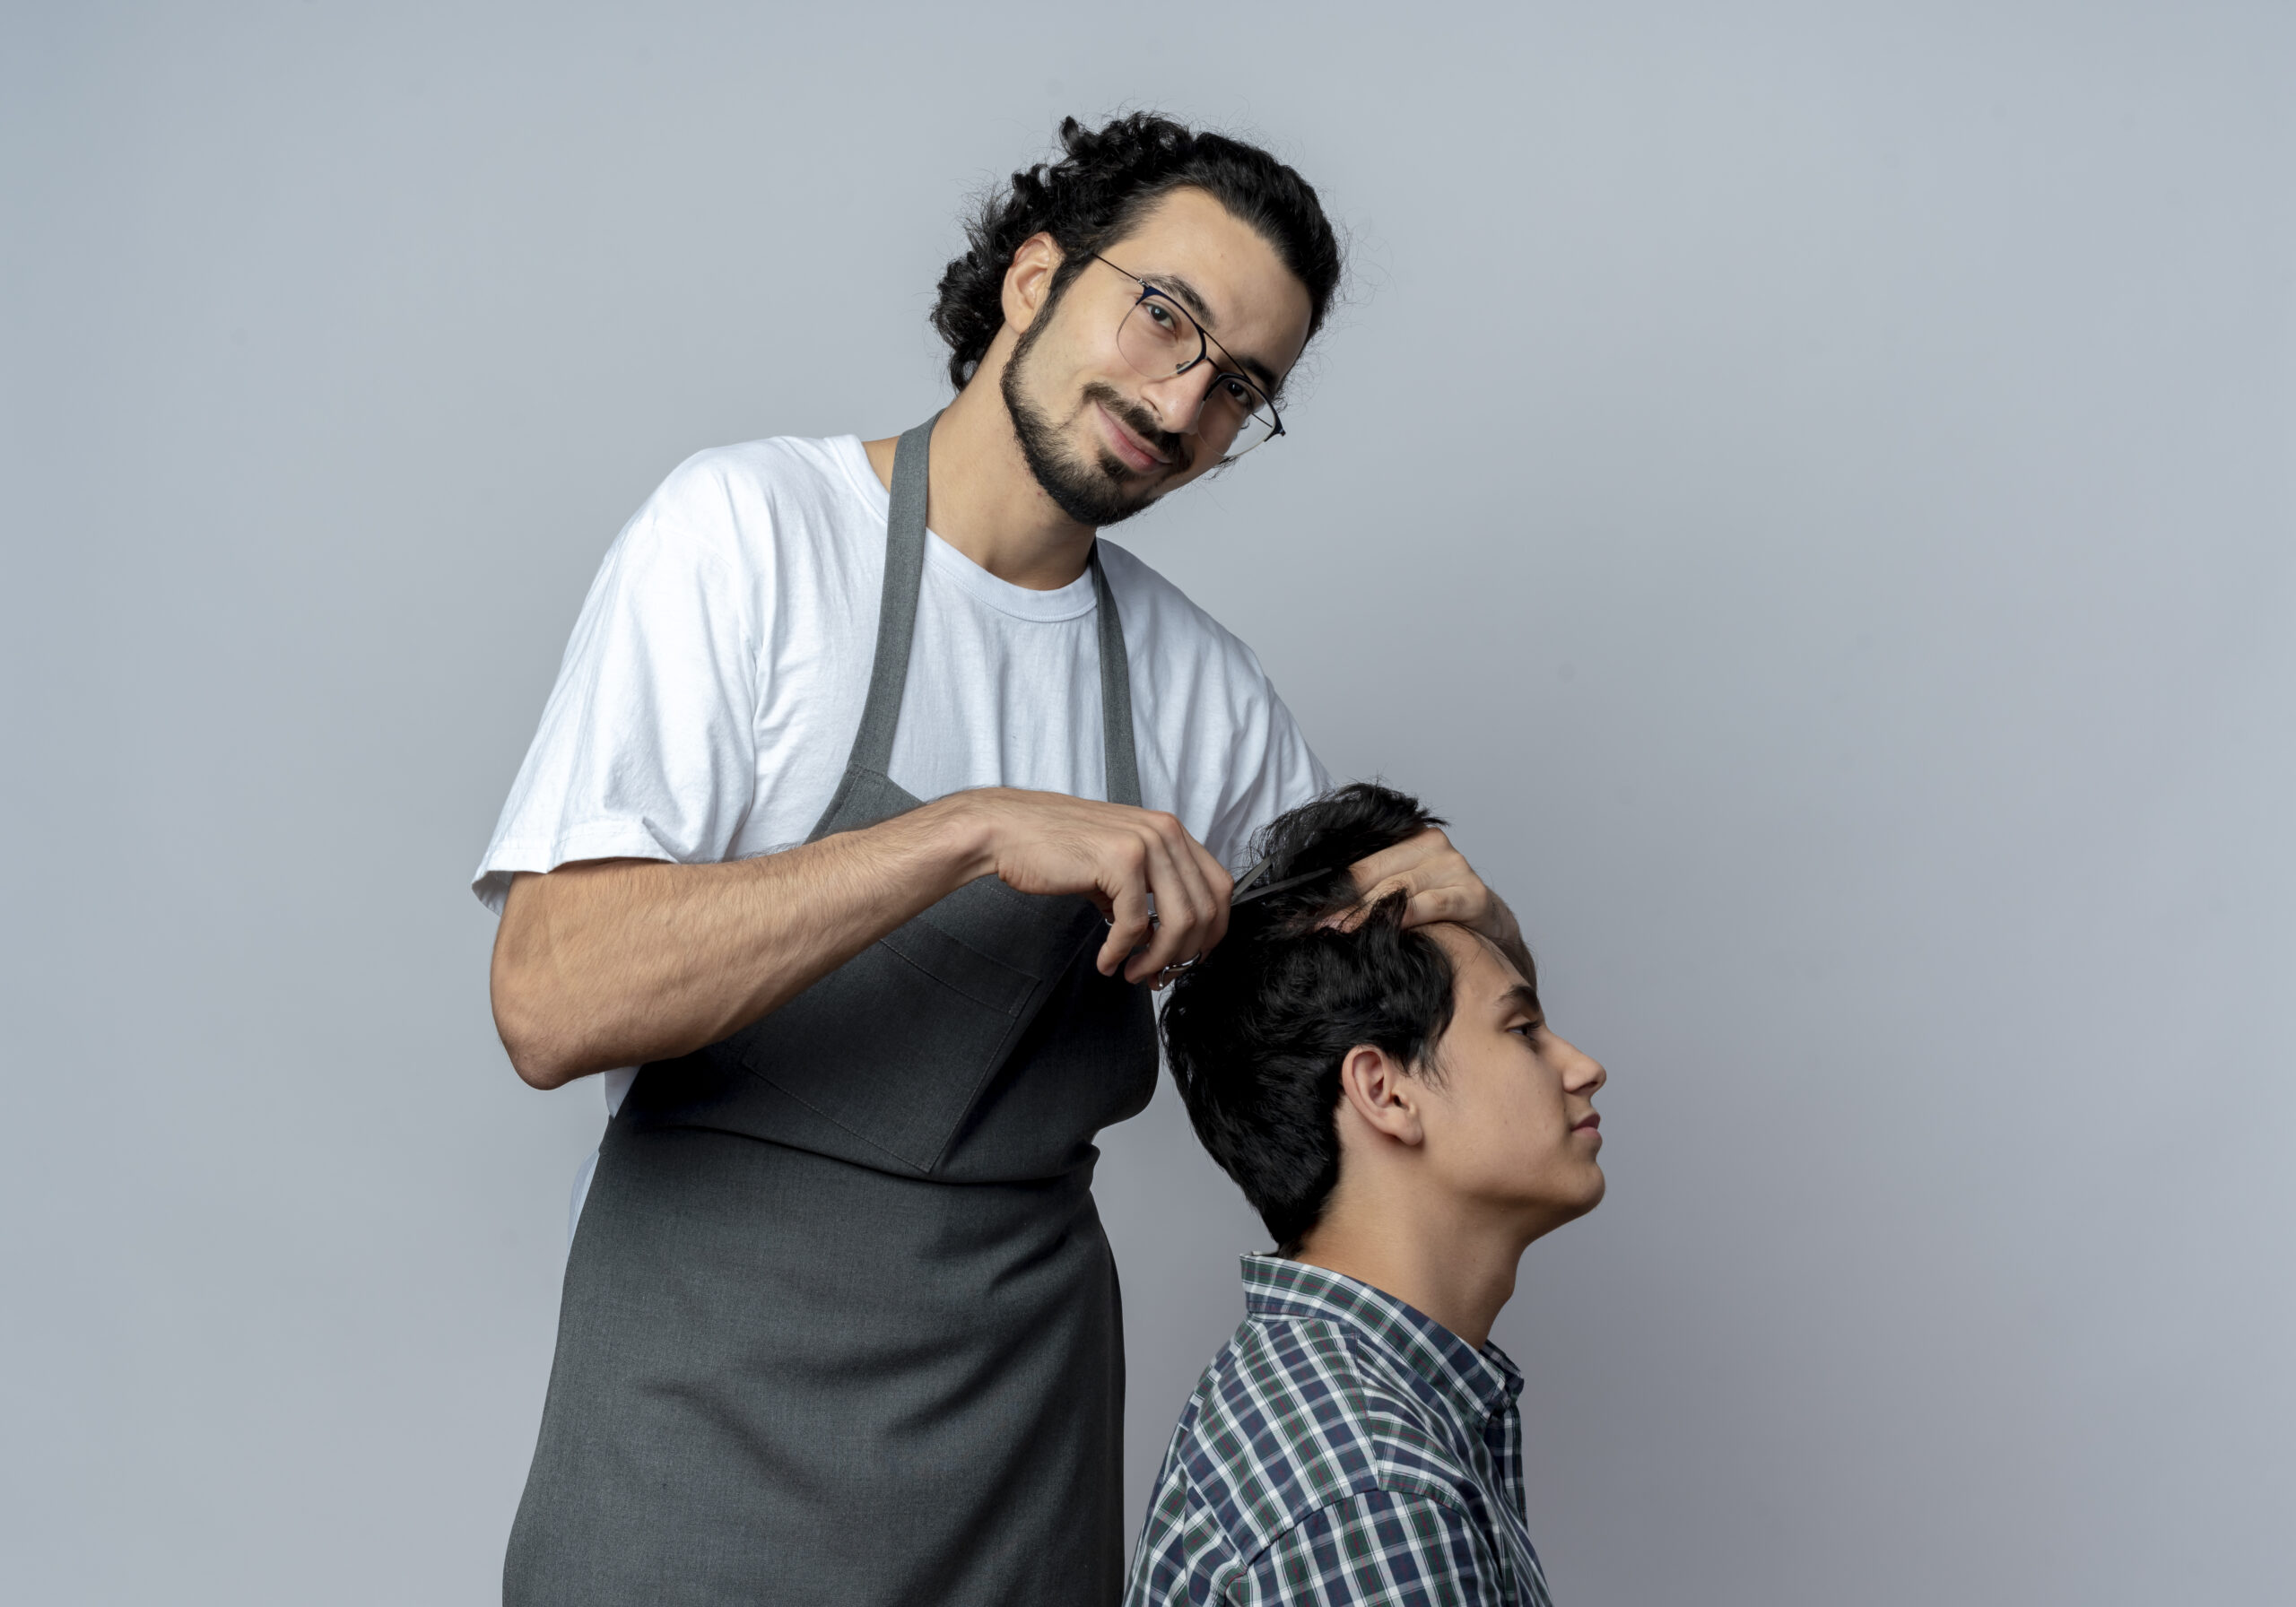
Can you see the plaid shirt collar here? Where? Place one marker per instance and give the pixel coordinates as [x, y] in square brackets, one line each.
[1474, 1384]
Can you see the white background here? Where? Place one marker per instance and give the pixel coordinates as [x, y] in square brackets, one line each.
[1807, 489]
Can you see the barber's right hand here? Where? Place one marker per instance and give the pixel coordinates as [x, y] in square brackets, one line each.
[1161, 891]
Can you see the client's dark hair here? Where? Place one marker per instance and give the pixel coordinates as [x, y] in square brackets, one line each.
[1105, 182]
[1256, 1029]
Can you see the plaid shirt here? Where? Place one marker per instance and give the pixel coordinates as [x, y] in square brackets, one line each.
[1342, 1449]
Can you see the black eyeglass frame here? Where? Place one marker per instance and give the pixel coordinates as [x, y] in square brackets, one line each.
[1204, 342]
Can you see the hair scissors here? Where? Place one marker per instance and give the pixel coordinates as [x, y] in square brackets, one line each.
[1242, 896]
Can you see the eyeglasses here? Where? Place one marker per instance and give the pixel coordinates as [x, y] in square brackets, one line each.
[1160, 340]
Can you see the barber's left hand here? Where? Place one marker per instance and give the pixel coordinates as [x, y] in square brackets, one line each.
[1441, 884]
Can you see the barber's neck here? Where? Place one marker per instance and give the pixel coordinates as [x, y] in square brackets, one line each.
[982, 499]
[1454, 1260]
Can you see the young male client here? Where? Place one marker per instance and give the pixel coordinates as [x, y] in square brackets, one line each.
[1393, 1103]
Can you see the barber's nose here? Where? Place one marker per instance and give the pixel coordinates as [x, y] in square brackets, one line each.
[1180, 400]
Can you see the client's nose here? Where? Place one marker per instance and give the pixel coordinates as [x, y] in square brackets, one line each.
[1581, 1072]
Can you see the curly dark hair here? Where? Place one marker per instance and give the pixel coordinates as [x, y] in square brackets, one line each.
[1256, 1029]
[1099, 190]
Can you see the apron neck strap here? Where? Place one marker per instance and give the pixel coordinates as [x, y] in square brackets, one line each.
[1120, 761]
[873, 746]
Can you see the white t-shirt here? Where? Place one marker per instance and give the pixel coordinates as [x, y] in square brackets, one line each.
[708, 698]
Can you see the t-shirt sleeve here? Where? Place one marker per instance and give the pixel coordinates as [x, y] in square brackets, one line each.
[1270, 768]
[646, 747]
[1382, 1547]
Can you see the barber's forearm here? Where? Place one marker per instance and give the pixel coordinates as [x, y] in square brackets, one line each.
[620, 962]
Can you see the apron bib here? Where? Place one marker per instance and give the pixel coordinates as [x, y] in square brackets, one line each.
[839, 1323]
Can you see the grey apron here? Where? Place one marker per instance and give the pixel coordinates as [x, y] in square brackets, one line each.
[839, 1322]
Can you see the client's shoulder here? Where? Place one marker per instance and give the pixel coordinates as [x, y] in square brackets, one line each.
[1298, 1413]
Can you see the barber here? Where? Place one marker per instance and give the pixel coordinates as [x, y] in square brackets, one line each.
[875, 795]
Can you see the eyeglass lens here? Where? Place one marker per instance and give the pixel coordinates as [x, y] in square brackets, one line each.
[1160, 340]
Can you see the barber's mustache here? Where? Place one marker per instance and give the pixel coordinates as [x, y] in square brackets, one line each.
[1140, 420]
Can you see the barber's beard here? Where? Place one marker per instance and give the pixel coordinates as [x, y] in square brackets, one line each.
[1096, 492]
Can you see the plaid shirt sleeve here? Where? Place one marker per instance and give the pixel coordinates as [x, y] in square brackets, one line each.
[1376, 1548]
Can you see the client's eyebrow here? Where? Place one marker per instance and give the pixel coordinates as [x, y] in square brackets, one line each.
[1522, 999]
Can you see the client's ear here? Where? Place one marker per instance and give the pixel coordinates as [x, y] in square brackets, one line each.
[1383, 1096]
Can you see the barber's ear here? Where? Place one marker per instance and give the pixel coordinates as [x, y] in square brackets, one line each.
[1385, 1098]
[1029, 280]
